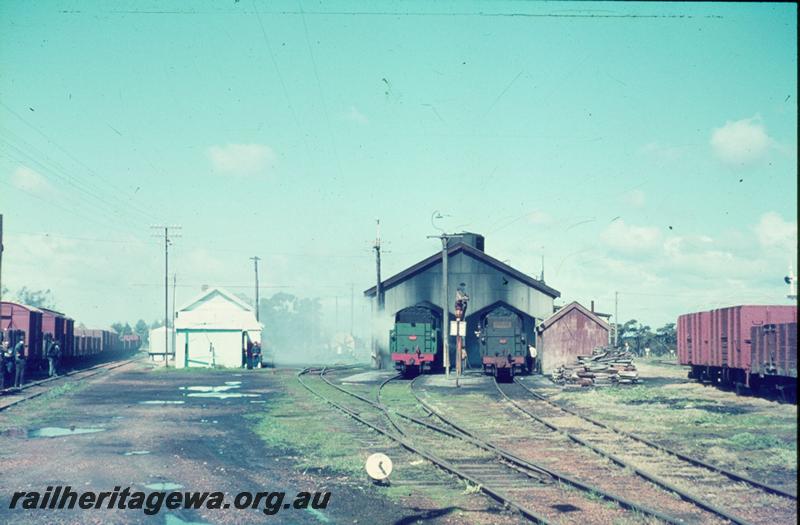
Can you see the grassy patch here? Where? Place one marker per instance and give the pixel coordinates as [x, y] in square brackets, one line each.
[317, 433]
[34, 412]
[744, 434]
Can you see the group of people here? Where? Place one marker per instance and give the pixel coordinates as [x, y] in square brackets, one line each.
[13, 361]
[251, 355]
[12, 365]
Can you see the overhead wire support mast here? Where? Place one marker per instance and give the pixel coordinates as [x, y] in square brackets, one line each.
[445, 238]
[378, 294]
[255, 260]
[167, 240]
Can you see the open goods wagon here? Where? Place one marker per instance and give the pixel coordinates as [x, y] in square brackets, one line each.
[718, 344]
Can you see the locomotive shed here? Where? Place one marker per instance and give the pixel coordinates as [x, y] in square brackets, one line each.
[489, 282]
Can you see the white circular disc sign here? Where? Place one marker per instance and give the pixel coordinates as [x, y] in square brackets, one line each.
[379, 466]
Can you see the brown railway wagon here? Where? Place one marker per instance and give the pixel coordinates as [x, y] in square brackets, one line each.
[718, 344]
[19, 321]
[774, 354]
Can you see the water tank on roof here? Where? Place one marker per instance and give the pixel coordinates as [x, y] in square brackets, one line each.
[472, 239]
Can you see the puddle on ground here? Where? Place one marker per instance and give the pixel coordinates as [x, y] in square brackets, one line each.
[318, 514]
[224, 388]
[261, 401]
[221, 395]
[172, 519]
[136, 453]
[217, 392]
[207, 421]
[161, 402]
[49, 432]
[163, 486]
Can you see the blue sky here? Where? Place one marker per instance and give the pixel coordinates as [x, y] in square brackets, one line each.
[649, 149]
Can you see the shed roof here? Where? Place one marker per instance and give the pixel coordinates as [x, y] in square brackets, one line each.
[574, 305]
[205, 295]
[436, 258]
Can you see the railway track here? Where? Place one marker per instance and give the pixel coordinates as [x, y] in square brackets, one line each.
[501, 475]
[729, 495]
[28, 391]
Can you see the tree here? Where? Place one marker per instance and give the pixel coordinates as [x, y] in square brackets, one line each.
[37, 298]
[142, 330]
[292, 326]
[122, 329]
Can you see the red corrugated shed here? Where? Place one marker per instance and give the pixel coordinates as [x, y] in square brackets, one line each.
[570, 332]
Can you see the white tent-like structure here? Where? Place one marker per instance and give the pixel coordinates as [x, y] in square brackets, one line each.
[156, 341]
[212, 330]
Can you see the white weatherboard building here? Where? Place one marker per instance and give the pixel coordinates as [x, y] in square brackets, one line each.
[213, 329]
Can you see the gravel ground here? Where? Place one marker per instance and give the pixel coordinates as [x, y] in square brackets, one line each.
[162, 428]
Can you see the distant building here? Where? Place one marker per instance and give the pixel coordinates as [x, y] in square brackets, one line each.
[488, 282]
[213, 329]
[571, 331]
[157, 341]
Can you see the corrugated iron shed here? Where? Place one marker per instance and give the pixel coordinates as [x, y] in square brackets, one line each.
[572, 331]
[488, 282]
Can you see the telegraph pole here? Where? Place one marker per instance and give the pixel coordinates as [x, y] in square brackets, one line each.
[378, 292]
[445, 238]
[616, 320]
[1, 266]
[352, 306]
[255, 260]
[174, 335]
[166, 284]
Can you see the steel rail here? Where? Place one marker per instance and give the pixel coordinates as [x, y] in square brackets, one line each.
[686, 496]
[386, 412]
[695, 461]
[516, 462]
[495, 494]
[93, 369]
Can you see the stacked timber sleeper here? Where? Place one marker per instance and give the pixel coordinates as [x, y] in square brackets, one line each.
[606, 366]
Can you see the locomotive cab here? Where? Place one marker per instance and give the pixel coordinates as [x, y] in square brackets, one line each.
[415, 341]
[503, 344]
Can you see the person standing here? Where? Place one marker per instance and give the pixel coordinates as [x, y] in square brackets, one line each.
[249, 355]
[19, 363]
[5, 357]
[256, 355]
[56, 359]
[49, 352]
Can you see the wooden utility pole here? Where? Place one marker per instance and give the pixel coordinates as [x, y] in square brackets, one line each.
[167, 242]
[1, 271]
[616, 319]
[1, 261]
[378, 293]
[174, 335]
[255, 260]
[352, 306]
[445, 238]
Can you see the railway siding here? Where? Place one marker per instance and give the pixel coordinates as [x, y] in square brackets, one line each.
[737, 498]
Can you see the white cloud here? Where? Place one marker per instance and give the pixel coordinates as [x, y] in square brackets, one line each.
[741, 143]
[241, 159]
[635, 198]
[354, 115]
[773, 231]
[26, 179]
[629, 238]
